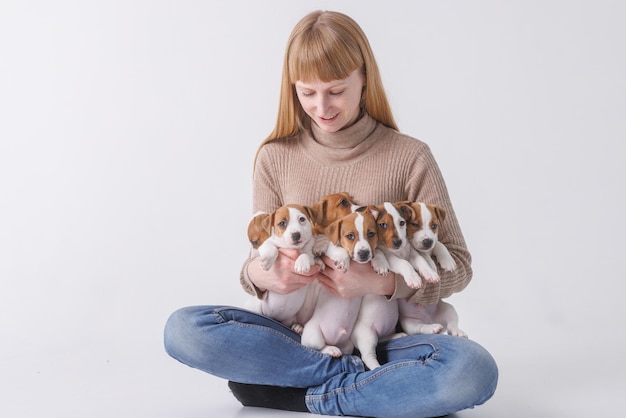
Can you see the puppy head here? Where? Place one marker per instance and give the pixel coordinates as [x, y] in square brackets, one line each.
[356, 232]
[391, 225]
[290, 225]
[257, 234]
[332, 207]
[423, 225]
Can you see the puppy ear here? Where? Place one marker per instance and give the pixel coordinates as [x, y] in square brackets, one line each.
[267, 223]
[311, 213]
[371, 209]
[439, 213]
[332, 231]
[406, 210]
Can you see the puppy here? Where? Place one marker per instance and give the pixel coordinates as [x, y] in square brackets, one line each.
[392, 241]
[423, 223]
[330, 327]
[289, 226]
[327, 210]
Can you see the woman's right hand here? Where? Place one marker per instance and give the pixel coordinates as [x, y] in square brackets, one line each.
[280, 278]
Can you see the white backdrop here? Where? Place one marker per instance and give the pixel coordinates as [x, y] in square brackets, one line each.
[124, 126]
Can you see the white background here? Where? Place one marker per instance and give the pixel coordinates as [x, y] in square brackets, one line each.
[127, 134]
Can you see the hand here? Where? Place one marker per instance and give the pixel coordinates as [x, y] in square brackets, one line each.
[281, 278]
[358, 280]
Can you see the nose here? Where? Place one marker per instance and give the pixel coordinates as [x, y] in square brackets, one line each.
[427, 243]
[295, 237]
[363, 255]
[397, 242]
[322, 103]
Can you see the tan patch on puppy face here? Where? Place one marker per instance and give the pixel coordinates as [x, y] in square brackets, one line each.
[357, 233]
[388, 235]
[280, 220]
[257, 233]
[332, 207]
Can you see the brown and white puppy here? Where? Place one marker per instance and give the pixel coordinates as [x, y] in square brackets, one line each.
[393, 242]
[330, 327]
[327, 210]
[289, 226]
[423, 224]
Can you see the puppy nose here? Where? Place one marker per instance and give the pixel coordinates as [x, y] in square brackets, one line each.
[427, 243]
[295, 236]
[397, 242]
[363, 255]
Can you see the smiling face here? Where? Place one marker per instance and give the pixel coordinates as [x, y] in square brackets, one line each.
[332, 105]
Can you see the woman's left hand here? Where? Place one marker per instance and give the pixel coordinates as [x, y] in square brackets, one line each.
[357, 281]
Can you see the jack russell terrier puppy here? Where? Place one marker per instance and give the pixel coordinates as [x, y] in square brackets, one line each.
[327, 210]
[329, 330]
[290, 226]
[423, 223]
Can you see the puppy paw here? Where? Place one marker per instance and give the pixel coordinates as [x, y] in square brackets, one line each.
[413, 280]
[432, 329]
[342, 263]
[332, 350]
[302, 264]
[429, 275]
[265, 263]
[297, 328]
[457, 332]
[447, 264]
[320, 244]
[380, 264]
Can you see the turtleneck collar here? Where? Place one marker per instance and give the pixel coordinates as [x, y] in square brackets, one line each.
[343, 145]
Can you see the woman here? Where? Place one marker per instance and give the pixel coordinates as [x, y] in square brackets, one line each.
[335, 132]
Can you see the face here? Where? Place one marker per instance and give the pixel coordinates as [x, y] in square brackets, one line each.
[333, 105]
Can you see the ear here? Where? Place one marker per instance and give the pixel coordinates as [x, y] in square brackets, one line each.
[439, 213]
[332, 232]
[311, 213]
[406, 210]
[268, 222]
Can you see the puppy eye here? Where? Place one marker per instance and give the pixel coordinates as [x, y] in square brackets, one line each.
[383, 225]
[282, 224]
[343, 202]
[415, 224]
[350, 237]
[434, 226]
[371, 234]
[254, 242]
[302, 219]
[402, 223]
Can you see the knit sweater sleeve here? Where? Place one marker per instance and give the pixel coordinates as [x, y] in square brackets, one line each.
[426, 184]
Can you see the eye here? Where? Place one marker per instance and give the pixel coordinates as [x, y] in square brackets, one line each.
[302, 219]
[336, 93]
[434, 226]
[415, 224]
[343, 202]
[371, 234]
[383, 225]
[306, 93]
[350, 237]
[282, 224]
[254, 242]
[402, 223]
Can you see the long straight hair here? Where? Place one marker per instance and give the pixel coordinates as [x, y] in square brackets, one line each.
[327, 46]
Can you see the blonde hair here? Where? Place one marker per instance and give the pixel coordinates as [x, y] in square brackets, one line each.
[327, 46]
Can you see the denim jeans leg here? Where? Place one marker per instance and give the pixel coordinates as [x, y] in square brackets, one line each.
[245, 347]
[422, 376]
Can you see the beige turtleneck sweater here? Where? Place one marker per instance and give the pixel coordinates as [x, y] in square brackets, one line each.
[374, 164]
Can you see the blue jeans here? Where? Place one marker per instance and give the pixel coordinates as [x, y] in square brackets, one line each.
[420, 376]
